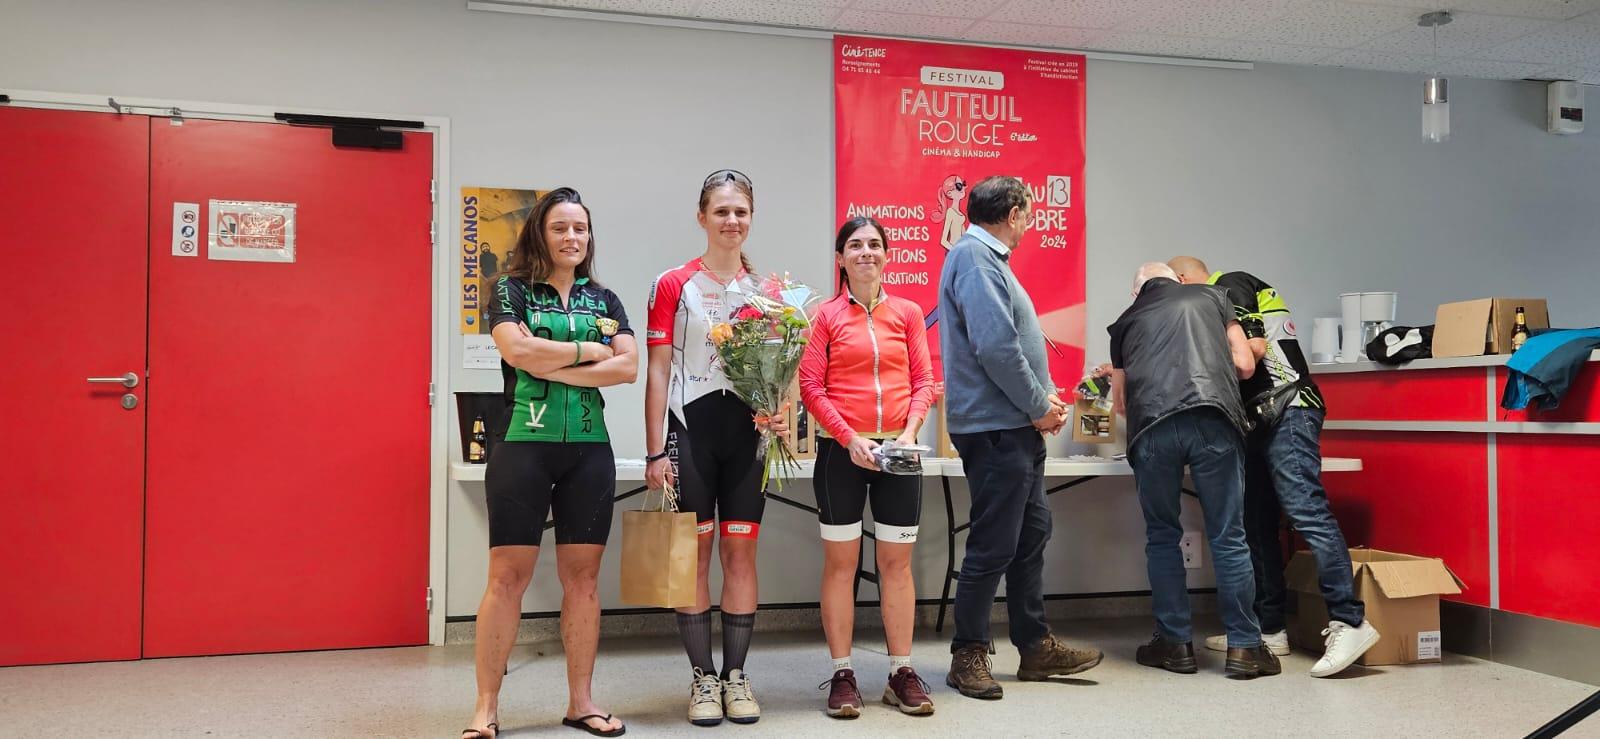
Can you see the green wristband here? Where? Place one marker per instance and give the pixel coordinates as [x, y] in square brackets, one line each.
[578, 359]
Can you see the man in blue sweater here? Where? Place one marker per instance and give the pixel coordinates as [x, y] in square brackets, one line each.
[1000, 403]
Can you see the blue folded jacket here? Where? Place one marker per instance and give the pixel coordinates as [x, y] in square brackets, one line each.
[1545, 366]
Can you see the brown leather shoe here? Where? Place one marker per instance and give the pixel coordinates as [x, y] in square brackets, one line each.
[969, 672]
[844, 700]
[1246, 664]
[1051, 657]
[908, 692]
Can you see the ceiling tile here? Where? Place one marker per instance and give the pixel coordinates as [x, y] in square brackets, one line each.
[1024, 34]
[1547, 9]
[1590, 74]
[1255, 51]
[1069, 13]
[1332, 24]
[1206, 18]
[1381, 60]
[950, 8]
[768, 13]
[1465, 34]
[896, 24]
[1150, 43]
[1489, 70]
[678, 8]
[1564, 43]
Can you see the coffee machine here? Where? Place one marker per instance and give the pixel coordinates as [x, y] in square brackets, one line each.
[1365, 315]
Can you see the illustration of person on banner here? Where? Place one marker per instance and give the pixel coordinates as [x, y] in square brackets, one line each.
[951, 192]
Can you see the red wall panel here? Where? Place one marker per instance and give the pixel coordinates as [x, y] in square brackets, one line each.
[1549, 526]
[1430, 395]
[1417, 493]
[1581, 403]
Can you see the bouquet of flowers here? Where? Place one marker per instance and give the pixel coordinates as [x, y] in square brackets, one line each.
[760, 348]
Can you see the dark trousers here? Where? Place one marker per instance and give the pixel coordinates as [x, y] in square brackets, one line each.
[1010, 526]
[1205, 440]
[1283, 476]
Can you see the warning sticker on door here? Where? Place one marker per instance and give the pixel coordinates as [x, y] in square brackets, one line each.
[185, 229]
[251, 231]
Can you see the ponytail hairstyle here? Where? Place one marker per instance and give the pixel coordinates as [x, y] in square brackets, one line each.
[945, 201]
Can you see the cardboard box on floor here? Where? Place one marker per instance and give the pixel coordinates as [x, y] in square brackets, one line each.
[1474, 327]
[1401, 593]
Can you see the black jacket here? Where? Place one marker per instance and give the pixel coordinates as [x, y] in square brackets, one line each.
[1172, 344]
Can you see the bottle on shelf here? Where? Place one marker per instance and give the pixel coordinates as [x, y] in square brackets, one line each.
[1519, 332]
[478, 449]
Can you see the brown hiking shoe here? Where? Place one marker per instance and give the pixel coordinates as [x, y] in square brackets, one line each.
[1051, 657]
[969, 672]
[1254, 662]
[844, 699]
[909, 692]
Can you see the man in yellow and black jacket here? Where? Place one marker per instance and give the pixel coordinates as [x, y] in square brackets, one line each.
[1283, 474]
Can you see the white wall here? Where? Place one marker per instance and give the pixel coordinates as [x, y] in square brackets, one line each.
[1317, 179]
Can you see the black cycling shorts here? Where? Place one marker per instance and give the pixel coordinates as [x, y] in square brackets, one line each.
[843, 488]
[526, 479]
[713, 455]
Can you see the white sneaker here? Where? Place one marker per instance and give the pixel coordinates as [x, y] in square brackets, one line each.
[705, 700]
[737, 700]
[1345, 645]
[1276, 642]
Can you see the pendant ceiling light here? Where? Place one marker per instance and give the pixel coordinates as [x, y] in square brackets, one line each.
[1436, 89]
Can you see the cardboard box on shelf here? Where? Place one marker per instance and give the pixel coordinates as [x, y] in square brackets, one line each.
[1474, 327]
[943, 447]
[1090, 425]
[1401, 592]
[802, 428]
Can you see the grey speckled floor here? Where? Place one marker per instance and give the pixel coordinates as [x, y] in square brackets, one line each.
[428, 691]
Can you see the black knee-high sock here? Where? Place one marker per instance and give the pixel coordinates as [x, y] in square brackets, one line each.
[736, 628]
[695, 629]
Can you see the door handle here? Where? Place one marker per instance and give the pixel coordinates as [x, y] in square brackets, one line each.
[127, 380]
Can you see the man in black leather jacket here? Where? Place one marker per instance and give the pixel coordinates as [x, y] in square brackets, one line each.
[1177, 355]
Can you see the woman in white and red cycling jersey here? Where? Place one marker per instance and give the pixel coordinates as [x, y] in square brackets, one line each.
[701, 436]
[867, 379]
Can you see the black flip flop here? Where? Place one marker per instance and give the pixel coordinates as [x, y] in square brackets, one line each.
[582, 722]
[478, 733]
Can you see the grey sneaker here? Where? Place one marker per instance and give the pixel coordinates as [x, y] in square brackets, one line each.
[705, 700]
[737, 701]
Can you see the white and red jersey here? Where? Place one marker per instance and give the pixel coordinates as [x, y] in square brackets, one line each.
[685, 302]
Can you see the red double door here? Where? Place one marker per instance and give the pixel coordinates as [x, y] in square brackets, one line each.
[201, 456]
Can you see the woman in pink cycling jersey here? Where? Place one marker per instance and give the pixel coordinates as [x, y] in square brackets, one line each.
[867, 379]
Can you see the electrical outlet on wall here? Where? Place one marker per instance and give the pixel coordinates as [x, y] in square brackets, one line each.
[1190, 544]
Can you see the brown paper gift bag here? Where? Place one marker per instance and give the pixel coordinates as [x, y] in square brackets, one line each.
[660, 552]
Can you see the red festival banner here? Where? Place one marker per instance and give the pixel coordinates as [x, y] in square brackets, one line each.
[918, 124]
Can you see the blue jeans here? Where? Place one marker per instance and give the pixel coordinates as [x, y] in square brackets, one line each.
[1010, 526]
[1283, 476]
[1205, 440]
